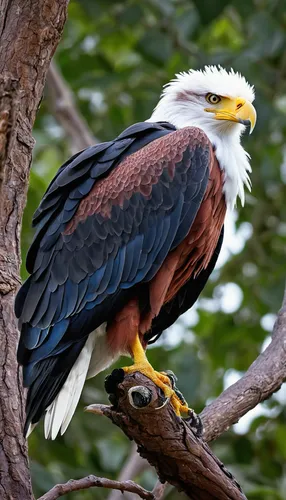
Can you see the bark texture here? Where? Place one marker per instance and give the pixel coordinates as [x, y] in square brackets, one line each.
[29, 33]
[167, 441]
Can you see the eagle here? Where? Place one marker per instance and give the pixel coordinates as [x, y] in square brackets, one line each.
[126, 237]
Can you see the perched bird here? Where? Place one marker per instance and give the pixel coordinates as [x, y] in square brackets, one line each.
[126, 237]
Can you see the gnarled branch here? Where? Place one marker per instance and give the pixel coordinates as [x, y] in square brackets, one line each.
[167, 441]
[69, 117]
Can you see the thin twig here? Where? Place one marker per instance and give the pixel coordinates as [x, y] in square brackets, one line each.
[99, 482]
[69, 117]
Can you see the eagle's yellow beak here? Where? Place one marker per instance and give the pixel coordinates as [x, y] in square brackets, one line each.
[237, 110]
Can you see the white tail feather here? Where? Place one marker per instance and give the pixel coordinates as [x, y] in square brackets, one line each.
[93, 358]
[59, 413]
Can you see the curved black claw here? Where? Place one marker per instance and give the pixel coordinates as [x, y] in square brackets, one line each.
[173, 380]
[193, 420]
[195, 423]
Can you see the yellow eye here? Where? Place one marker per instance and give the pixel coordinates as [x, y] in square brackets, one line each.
[213, 98]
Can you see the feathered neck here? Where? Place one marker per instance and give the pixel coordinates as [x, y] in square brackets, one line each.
[225, 138]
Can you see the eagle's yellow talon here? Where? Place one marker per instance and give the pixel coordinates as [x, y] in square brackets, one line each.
[142, 365]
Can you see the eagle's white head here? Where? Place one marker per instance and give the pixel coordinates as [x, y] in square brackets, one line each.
[220, 103]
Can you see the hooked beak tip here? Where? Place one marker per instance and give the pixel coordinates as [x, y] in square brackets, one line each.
[248, 124]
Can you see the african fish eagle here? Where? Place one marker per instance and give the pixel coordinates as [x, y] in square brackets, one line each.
[126, 237]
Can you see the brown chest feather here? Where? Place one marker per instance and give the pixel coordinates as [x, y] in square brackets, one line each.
[194, 253]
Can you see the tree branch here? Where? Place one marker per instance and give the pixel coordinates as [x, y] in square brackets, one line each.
[69, 117]
[167, 441]
[25, 55]
[263, 378]
[93, 481]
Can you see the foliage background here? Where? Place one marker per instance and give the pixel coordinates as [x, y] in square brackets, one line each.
[115, 56]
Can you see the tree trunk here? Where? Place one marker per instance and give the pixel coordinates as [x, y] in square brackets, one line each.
[29, 33]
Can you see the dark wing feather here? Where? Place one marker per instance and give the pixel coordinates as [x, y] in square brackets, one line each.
[106, 224]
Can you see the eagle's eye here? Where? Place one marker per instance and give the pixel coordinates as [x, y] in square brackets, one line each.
[213, 98]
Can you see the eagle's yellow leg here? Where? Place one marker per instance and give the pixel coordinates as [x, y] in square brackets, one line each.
[142, 365]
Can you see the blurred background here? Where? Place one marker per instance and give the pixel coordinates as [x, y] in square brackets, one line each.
[114, 58]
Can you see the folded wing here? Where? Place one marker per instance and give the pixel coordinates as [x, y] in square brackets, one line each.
[104, 227]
